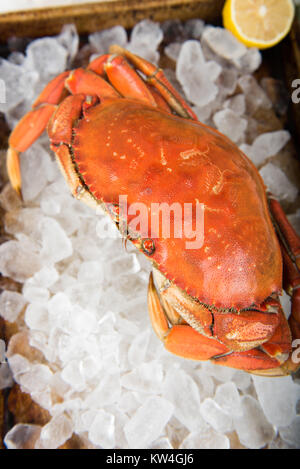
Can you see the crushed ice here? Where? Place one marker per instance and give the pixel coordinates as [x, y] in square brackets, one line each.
[87, 352]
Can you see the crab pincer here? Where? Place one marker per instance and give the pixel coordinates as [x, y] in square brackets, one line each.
[119, 128]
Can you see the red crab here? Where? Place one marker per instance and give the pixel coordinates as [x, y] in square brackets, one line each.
[118, 127]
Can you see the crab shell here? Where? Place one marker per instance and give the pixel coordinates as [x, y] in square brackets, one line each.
[152, 156]
[221, 299]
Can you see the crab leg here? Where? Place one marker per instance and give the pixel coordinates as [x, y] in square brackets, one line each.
[126, 80]
[181, 340]
[186, 342]
[238, 331]
[97, 65]
[25, 133]
[290, 248]
[157, 78]
[90, 84]
[80, 83]
[53, 92]
[31, 126]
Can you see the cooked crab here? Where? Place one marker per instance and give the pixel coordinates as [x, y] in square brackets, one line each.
[119, 128]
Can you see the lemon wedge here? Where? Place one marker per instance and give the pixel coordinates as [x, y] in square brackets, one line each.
[259, 23]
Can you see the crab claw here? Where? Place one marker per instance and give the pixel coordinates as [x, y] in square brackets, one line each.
[187, 342]
[13, 170]
[25, 133]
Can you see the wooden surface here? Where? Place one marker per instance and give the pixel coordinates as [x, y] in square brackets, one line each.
[94, 17]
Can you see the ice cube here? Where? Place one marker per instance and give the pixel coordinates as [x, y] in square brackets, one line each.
[205, 382]
[22, 436]
[64, 347]
[221, 373]
[146, 378]
[147, 423]
[56, 432]
[84, 419]
[14, 88]
[69, 39]
[138, 348]
[237, 104]
[47, 56]
[291, 433]
[106, 393]
[266, 145]
[230, 124]
[145, 51]
[71, 375]
[39, 340]
[209, 439]
[129, 402]
[180, 389]
[102, 40]
[35, 294]
[286, 304]
[253, 429]
[196, 76]
[36, 317]
[223, 43]
[278, 398]
[228, 398]
[59, 306]
[18, 260]
[35, 161]
[272, 142]
[18, 365]
[89, 367]
[144, 40]
[11, 305]
[102, 430]
[37, 379]
[250, 61]
[68, 405]
[53, 199]
[90, 271]
[85, 294]
[55, 243]
[146, 33]
[173, 50]
[242, 380]
[203, 113]
[16, 58]
[278, 183]
[46, 277]
[215, 416]
[227, 81]
[255, 96]
[83, 321]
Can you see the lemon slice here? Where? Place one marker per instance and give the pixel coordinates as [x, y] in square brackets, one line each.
[259, 23]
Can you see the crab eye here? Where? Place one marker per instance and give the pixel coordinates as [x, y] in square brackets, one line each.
[148, 246]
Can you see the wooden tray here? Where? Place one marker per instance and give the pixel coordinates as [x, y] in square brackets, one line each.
[283, 62]
[92, 17]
